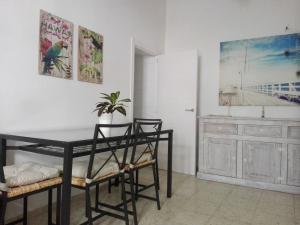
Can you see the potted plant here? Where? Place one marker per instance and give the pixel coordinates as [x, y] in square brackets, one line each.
[111, 104]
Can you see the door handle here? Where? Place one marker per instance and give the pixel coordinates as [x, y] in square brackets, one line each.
[189, 110]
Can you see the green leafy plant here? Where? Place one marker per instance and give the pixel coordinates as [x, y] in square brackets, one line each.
[111, 104]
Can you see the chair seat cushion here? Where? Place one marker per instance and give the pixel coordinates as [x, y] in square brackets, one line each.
[17, 191]
[28, 173]
[81, 182]
[80, 169]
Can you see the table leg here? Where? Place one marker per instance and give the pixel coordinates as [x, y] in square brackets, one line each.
[66, 186]
[3, 151]
[3, 160]
[169, 175]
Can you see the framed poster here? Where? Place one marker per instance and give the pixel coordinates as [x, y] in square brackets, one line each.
[55, 46]
[261, 71]
[90, 56]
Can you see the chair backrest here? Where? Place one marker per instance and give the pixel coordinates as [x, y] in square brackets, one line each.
[135, 120]
[148, 132]
[103, 144]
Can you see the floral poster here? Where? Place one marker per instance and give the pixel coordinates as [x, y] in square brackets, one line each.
[55, 53]
[90, 56]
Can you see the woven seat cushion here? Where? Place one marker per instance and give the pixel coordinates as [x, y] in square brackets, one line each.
[80, 168]
[78, 181]
[16, 191]
[142, 163]
[27, 173]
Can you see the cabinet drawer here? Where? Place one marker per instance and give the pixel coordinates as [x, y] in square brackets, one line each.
[294, 132]
[220, 128]
[262, 131]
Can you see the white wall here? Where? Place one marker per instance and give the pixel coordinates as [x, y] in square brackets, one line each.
[203, 24]
[29, 101]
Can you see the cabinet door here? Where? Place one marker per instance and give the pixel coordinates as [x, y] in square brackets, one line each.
[293, 177]
[261, 161]
[220, 156]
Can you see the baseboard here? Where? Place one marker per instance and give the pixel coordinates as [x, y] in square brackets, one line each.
[247, 183]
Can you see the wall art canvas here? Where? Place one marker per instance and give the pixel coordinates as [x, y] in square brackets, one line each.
[260, 71]
[55, 52]
[90, 56]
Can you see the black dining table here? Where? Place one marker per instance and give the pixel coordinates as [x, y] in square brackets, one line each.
[69, 144]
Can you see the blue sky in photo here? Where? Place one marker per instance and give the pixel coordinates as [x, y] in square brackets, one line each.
[267, 51]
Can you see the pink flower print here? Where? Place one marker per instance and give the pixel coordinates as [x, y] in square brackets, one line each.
[65, 26]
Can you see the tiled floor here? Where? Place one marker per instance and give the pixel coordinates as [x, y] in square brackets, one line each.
[198, 202]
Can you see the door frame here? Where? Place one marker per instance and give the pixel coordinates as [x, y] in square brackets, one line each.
[135, 44]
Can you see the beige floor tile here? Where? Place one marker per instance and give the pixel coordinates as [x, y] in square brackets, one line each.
[297, 212]
[241, 202]
[175, 203]
[154, 217]
[276, 209]
[262, 218]
[189, 218]
[196, 206]
[297, 221]
[219, 188]
[277, 198]
[247, 193]
[235, 213]
[189, 187]
[219, 220]
[297, 200]
[206, 196]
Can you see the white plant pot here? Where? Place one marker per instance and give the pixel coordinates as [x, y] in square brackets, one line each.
[106, 118]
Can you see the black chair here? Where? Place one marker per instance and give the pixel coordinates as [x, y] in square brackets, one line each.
[147, 132]
[8, 194]
[135, 120]
[104, 165]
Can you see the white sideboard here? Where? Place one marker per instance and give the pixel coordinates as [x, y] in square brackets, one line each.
[262, 153]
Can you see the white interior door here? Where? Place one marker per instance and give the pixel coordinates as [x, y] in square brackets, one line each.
[177, 106]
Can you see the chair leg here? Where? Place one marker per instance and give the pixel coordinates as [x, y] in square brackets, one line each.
[136, 184]
[131, 175]
[88, 205]
[25, 211]
[58, 205]
[157, 173]
[117, 181]
[3, 210]
[50, 207]
[109, 186]
[156, 186]
[124, 199]
[97, 197]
